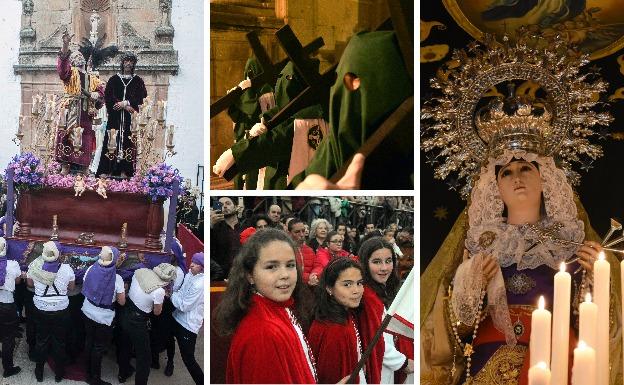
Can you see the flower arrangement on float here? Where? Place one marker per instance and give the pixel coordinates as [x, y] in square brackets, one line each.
[160, 180]
[27, 171]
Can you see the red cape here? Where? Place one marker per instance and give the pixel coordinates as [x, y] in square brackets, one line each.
[335, 349]
[266, 348]
[370, 321]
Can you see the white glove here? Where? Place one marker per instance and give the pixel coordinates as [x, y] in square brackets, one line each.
[245, 84]
[258, 128]
[225, 161]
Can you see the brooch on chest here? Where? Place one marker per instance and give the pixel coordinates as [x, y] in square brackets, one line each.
[520, 284]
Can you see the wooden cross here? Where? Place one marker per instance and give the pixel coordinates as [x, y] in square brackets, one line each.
[269, 73]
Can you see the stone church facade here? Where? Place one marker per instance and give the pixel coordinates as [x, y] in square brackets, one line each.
[141, 26]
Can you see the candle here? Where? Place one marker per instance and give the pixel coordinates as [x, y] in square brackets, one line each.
[20, 126]
[561, 327]
[539, 374]
[35, 105]
[62, 117]
[584, 369]
[587, 322]
[112, 140]
[169, 140]
[540, 334]
[602, 279]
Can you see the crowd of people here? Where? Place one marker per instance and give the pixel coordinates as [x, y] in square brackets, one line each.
[65, 319]
[304, 300]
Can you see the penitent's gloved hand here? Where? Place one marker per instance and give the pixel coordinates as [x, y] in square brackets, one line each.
[225, 161]
[258, 128]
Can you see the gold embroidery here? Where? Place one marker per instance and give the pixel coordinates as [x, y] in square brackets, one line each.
[503, 368]
[73, 86]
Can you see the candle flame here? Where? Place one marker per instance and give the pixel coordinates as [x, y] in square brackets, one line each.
[562, 267]
[582, 345]
[542, 365]
[588, 297]
[601, 256]
[541, 303]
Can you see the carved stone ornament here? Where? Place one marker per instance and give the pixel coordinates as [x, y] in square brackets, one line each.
[165, 5]
[130, 38]
[54, 39]
[28, 6]
[95, 5]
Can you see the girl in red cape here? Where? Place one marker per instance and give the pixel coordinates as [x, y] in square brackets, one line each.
[334, 334]
[381, 285]
[262, 307]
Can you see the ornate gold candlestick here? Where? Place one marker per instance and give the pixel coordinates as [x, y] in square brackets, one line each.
[123, 242]
[55, 234]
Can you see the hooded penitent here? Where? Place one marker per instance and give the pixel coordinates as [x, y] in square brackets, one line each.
[374, 58]
[274, 147]
[99, 288]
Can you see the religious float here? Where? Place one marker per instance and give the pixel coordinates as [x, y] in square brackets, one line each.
[82, 212]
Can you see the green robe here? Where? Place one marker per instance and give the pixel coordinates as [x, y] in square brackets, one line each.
[375, 58]
[245, 113]
[273, 148]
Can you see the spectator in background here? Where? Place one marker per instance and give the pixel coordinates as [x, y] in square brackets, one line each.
[341, 229]
[370, 227]
[304, 255]
[318, 233]
[389, 237]
[260, 221]
[351, 240]
[275, 214]
[224, 234]
[306, 230]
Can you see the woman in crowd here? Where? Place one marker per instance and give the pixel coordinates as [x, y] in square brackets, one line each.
[318, 233]
[381, 285]
[262, 307]
[334, 250]
[334, 335]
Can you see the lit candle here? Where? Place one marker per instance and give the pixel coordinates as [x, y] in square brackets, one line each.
[20, 126]
[602, 280]
[561, 327]
[35, 105]
[539, 374]
[169, 140]
[587, 322]
[584, 369]
[540, 334]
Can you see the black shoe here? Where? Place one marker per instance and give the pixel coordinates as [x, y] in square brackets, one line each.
[169, 368]
[39, 372]
[123, 377]
[58, 376]
[31, 355]
[11, 371]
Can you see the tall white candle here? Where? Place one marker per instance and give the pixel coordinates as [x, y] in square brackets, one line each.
[540, 335]
[584, 369]
[561, 327]
[587, 322]
[602, 280]
[539, 374]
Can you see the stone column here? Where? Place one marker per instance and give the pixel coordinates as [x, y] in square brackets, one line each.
[28, 34]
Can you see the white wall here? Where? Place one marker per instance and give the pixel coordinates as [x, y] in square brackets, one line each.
[185, 108]
[10, 24]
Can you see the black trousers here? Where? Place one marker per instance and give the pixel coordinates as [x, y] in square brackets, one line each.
[76, 332]
[186, 343]
[135, 332]
[51, 336]
[8, 331]
[98, 336]
[161, 333]
[31, 315]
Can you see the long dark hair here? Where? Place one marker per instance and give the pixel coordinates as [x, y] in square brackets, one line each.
[327, 308]
[237, 296]
[385, 292]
